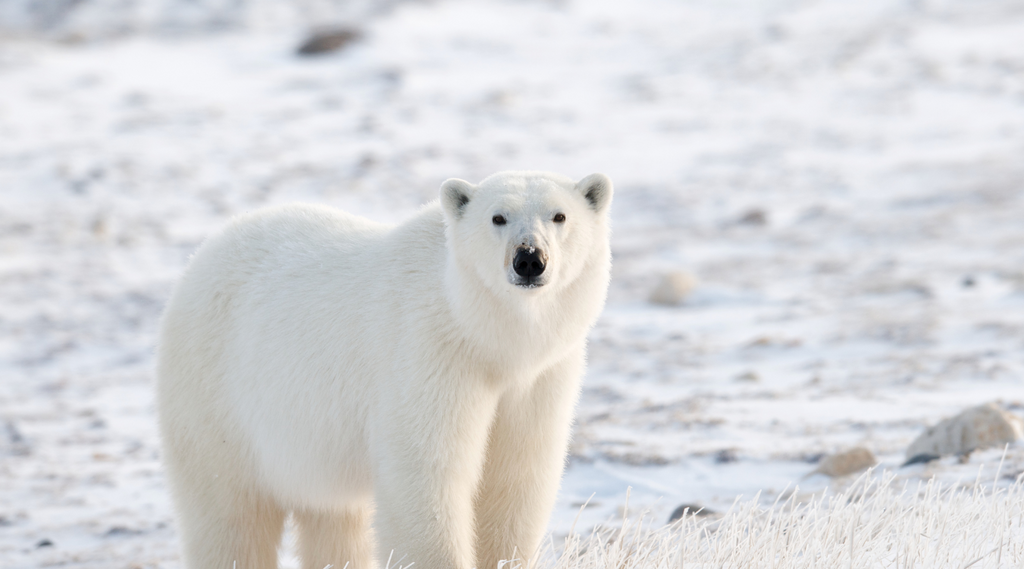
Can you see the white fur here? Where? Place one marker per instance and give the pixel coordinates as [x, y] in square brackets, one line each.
[353, 373]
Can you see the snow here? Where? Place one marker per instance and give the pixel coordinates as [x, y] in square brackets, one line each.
[842, 179]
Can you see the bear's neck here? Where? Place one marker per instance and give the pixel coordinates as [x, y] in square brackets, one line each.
[523, 334]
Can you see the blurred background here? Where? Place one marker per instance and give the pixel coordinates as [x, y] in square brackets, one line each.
[818, 223]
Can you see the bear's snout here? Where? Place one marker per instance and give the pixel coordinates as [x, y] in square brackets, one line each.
[529, 262]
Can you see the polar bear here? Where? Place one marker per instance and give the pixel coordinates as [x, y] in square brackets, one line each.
[407, 389]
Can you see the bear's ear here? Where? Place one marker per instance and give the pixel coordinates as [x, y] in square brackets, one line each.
[597, 188]
[455, 194]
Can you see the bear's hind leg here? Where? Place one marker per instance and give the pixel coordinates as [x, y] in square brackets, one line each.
[224, 528]
[335, 538]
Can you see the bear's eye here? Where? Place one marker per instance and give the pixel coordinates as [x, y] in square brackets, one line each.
[559, 217]
[498, 220]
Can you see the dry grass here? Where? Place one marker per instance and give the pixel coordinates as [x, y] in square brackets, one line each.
[877, 522]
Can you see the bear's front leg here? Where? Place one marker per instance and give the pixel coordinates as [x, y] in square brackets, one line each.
[523, 469]
[429, 445]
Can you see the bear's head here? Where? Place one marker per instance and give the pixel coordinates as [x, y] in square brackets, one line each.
[527, 231]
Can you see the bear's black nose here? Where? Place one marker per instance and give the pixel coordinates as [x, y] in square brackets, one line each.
[528, 263]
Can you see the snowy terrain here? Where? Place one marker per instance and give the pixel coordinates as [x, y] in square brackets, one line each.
[843, 179]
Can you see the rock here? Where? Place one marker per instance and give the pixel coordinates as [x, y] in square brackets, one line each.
[673, 288]
[846, 462]
[754, 216]
[326, 41]
[119, 531]
[979, 427]
[15, 443]
[726, 455]
[689, 510]
[813, 458]
[923, 458]
[584, 505]
[748, 377]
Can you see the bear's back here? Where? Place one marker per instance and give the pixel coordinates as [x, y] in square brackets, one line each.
[309, 267]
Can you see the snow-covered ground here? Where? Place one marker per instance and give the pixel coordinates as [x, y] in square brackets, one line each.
[844, 179]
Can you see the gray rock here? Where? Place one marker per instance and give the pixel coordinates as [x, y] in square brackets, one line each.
[326, 41]
[754, 216]
[13, 442]
[689, 510]
[923, 458]
[977, 428]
